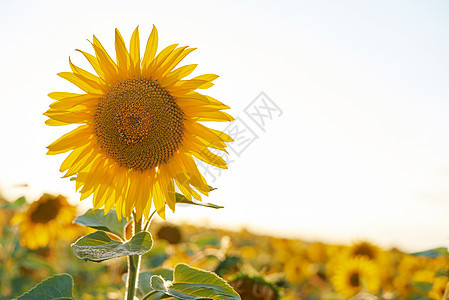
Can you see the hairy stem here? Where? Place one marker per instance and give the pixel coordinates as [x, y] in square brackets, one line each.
[133, 265]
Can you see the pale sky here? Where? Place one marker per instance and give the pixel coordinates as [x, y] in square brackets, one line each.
[360, 151]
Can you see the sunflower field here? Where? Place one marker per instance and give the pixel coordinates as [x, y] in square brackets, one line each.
[36, 237]
[137, 141]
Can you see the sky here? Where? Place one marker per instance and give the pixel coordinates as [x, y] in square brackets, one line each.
[353, 96]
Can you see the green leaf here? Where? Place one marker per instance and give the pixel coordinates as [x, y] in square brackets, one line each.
[180, 198]
[16, 204]
[56, 287]
[192, 284]
[145, 278]
[419, 297]
[203, 240]
[99, 246]
[423, 286]
[442, 272]
[156, 256]
[98, 220]
[433, 253]
[155, 295]
[228, 265]
[35, 263]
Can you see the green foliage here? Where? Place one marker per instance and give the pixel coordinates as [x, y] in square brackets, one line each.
[180, 198]
[433, 252]
[98, 220]
[13, 205]
[442, 272]
[145, 278]
[203, 240]
[156, 256]
[99, 246]
[422, 286]
[56, 287]
[227, 265]
[191, 284]
[419, 297]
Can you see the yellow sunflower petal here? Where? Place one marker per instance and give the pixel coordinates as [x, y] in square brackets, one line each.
[84, 73]
[178, 74]
[70, 140]
[223, 136]
[107, 65]
[145, 191]
[177, 60]
[217, 116]
[156, 63]
[207, 77]
[51, 122]
[79, 163]
[151, 49]
[70, 117]
[62, 95]
[134, 50]
[158, 199]
[195, 177]
[123, 57]
[133, 193]
[94, 63]
[70, 102]
[167, 187]
[83, 83]
[167, 62]
[207, 156]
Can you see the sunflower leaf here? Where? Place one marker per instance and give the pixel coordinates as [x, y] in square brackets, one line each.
[99, 246]
[145, 278]
[56, 287]
[155, 295]
[98, 220]
[192, 284]
[180, 198]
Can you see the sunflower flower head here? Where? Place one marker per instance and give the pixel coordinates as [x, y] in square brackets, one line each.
[139, 127]
[46, 219]
[356, 275]
[366, 250]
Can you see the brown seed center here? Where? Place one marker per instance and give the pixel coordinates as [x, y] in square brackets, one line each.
[139, 124]
[354, 280]
[365, 250]
[46, 211]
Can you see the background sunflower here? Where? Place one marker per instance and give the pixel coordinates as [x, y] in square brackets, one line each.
[356, 275]
[45, 221]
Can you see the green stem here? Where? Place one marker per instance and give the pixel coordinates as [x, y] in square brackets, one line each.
[145, 228]
[133, 265]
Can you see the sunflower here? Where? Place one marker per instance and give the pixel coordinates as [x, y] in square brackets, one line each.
[356, 275]
[140, 127]
[366, 250]
[46, 219]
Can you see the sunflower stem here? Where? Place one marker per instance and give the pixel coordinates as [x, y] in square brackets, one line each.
[145, 228]
[133, 265]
